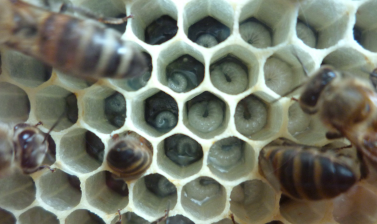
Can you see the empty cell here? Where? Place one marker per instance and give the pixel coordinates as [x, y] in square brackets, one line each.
[154, 194]
[115, 109]
[52, 102]
[230, 75]
[306, 33]
[14, 103]
[208, 32]
[83, 216]
[161, 112]
[256, 33]
[50, 157]
[38, 215]
[72, 109]
[203, 198]
[129, 156]
[117, 184]
[24, 69]
[74, 181]
[6, 217]
[224, 221]
[231, 158]
[58, 192]
[102, 194]
[252, 200]
[104, 109]
[130, 218]
[206, 115]
[81, 151]
[251, 115]
[184, 74]
[161, 30]
[17, 191]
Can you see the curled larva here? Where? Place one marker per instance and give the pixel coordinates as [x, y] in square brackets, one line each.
[115, 109]
[178, 82]
[278, 75]
[183, 150]
[206, 40]
[256, 34]
[159, 185]
[137, 83]
[206, 116]
[225, 153]
[306, 34]
[165, 120]
[202, 188]
[250, 116]
[229, 77]
[298, 120]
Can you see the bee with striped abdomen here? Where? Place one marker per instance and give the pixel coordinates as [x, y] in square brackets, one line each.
[307, 172]
[79, 47]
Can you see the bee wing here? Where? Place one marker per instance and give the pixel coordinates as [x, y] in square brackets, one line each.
[267, 170]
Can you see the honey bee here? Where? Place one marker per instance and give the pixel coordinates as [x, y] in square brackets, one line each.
[129, 156]
[83, 48]
[23, 149]
[307, 172]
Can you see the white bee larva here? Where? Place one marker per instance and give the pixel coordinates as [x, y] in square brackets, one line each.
[206, 40]
[256, 34]
[278, 75]
[306, 34]
[225, 153]
[229, 77]
[165, 120]
[206, 116]
[298, 120]
[178, 82]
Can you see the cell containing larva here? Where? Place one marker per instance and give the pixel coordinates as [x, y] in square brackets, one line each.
[205, 112]
[159, 185]
[202, 189]
[226, 153]
[161, 30]
[79, 50]
[7, 217]
[208, 32]
[251, 115]
[116, 184]
[72, 108]
[37, 215]
[161, 112]
[115, 109]
[306, 33]
[278, 75]
[229, 75]
[94, 146]
[184, 74]
[298, 120]
[183, 150]
[74, 181]
[129, 155]
[256, 33]
[139, 82]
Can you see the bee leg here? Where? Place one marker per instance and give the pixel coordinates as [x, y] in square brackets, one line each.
[294, 99]
[163, 217]
[333, 135]
[37, 124]
[91, 15]
[232, 218]
[373, 78]
[41, 168]
[120, 218]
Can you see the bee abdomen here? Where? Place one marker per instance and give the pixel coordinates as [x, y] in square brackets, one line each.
[310, 175]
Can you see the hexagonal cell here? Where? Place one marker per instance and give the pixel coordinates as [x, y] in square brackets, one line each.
[358, 205]
[129, 155]
[129, 218]
[7, 217]
[233, 69]
[266, 23]
[365, 30]
[83, 216]
[136, 83]
[38, 215]
[51, 103]
[252, 200]
[180, 156]
[104, 109]
[161, 112]
[153, 194]
[314, 211]
[231, 158]
[113, 194]
[58, 191]
[306, 33]
[255, 118]
[305, 128]
[206, 115]
[329, 26]
[81, 150]
[208, 23]
[17, 191]
[14, 103]
[24, 69]
[74, 81]
[154, 26]
[286, 69]
[350, 60]
[204, 198]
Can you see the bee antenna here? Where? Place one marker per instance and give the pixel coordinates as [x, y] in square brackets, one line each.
[54, 126]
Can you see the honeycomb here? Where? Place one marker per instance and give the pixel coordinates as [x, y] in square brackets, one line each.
[205, 105]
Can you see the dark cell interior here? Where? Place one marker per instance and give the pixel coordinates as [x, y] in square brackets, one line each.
[115, 109]
[161, 30]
